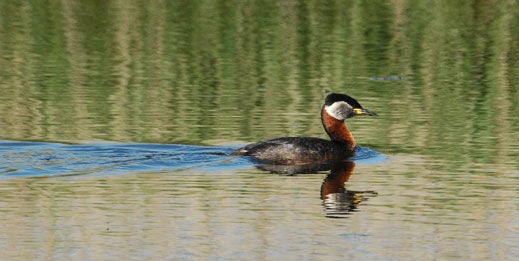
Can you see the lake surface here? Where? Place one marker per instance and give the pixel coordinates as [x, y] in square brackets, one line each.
[117, 119]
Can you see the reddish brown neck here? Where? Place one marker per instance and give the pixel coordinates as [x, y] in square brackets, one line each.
[336, 129]
[336, 180]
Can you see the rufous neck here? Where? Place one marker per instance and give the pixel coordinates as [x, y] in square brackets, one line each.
[337, 129]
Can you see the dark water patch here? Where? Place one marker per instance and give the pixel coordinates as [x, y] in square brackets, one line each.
[388, 78]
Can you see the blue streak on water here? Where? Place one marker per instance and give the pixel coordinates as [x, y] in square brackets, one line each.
[367, 155]
[46, 159]
[40, 159]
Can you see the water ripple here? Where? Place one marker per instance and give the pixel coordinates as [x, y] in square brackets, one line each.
[40, 159]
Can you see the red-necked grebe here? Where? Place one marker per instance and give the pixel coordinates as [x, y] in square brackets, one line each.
[307, 150]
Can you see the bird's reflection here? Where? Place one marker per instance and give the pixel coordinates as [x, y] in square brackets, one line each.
[337, 200]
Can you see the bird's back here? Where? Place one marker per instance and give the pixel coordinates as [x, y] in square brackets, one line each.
[296, 150]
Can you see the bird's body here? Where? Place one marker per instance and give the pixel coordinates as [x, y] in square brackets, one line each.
[296, 150]
[305, 150]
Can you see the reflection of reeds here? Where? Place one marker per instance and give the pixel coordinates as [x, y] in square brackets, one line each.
[200, 72]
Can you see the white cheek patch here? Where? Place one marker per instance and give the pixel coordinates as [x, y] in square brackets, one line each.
[339, 110]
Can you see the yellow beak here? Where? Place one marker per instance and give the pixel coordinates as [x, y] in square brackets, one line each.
[359, 111]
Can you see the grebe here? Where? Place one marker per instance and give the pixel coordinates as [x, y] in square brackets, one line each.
[308, 150]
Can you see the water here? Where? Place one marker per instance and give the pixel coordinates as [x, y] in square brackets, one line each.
[41, 159]
[117, 119]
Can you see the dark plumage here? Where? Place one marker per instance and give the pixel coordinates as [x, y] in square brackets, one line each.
[296, 150]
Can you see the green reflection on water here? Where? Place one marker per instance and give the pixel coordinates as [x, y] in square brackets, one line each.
[205, 72]
[443, 76]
